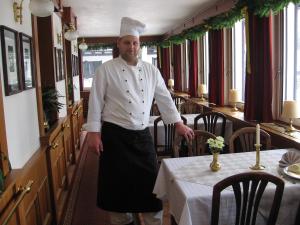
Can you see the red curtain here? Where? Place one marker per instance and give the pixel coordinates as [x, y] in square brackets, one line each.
[258, 90]
[193, 68]
[216, 67]
[177, 67]
[115, 52]
[165, 64]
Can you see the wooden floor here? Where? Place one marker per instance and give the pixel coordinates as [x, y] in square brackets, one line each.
[82, 209]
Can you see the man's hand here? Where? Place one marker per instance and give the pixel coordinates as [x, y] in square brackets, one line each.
[185, 131]
[94, 142]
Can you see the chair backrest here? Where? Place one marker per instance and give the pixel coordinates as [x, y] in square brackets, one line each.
[198, 146]
[297, 219]
[178, 100]
[248, 189]
[190, 107]
[165, 149]
[154, 111]
[210, 121]
[243, 140]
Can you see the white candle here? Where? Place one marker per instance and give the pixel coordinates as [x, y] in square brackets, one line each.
[257, 134]
[170, 82]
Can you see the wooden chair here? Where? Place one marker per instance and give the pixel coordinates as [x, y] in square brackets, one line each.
[198, 146]
[210, 120]
[243, 140]
[189, 107]
[166, 149]
[248, 189]
[297, 219]
[178, 100]
[154, 111]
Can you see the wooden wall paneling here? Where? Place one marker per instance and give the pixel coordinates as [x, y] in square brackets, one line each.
[47, 57]
[85, 104]
[35, 207]
[69, 65]
[57, 166]
[38, 86]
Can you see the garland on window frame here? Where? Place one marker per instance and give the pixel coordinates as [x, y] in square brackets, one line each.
[227, 19]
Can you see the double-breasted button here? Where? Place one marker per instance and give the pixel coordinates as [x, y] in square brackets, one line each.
[143, 101]
[142, 90]
[127, 91]
[130, 114]
[142, 124]
[123, 70]
[141, 79]
[129, 101]
[143, 112]
[125, 80]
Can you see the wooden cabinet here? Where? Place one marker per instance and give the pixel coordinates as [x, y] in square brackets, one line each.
[57, 168]
[32, 206]
[77, 120]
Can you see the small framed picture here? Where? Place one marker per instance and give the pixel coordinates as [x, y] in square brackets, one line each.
[62, 65]
[11, 61]
[27, 61]
[57, 63]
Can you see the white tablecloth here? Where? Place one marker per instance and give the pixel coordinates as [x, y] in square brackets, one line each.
[187, 184]
[190, 122]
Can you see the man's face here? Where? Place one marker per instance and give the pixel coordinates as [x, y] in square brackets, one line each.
[129, 47]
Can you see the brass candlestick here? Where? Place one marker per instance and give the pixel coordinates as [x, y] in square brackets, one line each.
[257, 165]
[202, 99]
[235, 109]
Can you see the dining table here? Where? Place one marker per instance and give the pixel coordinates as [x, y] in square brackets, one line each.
[190, 122]
[187, 184]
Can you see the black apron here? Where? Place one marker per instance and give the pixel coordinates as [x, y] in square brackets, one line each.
[127, 171]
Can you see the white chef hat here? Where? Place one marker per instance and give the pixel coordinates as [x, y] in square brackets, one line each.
[131, 27]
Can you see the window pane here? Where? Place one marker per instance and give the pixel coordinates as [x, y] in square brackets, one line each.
[239, 57]
[206, 59]
[91, 60]
[149, 54]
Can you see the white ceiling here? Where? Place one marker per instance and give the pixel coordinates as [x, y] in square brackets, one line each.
[100, 18]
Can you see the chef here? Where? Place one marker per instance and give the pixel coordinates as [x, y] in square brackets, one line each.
[119, 108]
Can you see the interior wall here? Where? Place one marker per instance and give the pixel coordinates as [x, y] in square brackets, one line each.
[20, 110]
[60, 85]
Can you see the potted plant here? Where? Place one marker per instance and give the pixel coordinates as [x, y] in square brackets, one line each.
[51, 105]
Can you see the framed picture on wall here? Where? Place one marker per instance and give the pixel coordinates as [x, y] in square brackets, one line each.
[57, 64]
[62, 71]
[10, 59]
[27, 61]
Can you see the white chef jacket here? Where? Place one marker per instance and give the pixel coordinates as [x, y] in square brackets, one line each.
[122, 94]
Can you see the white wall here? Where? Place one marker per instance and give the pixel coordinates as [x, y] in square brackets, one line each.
[20, 110]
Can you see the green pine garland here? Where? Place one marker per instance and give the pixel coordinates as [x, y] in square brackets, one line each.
[260, 8]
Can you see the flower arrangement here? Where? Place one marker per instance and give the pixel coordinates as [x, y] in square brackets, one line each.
[216, 144]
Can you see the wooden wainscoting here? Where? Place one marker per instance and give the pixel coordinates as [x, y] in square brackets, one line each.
[35, 207]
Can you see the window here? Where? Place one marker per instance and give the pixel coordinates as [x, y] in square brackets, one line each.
[91, 60]
[149, 54]
[239, 57]
[291, 61]
[206, 59]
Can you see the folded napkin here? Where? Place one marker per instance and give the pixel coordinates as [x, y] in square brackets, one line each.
[294, 168]
[289, 158]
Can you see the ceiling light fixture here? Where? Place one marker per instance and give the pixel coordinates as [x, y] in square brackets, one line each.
[83, 46]
[17, 7]
[71, 33]
[41, 8]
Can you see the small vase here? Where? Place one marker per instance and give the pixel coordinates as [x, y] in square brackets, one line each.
[215, 165]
